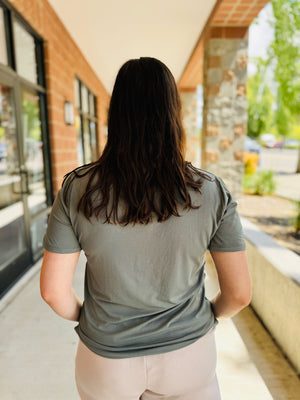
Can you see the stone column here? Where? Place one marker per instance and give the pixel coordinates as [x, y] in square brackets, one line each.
[189, 119]
[225, 105]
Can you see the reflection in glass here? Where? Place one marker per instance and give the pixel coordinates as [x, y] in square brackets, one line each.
[79, 140]
[12, 230]
[38, 229]
[25, 53]
[84, 99]
[3, 49]
[33, 151]
[92, 103]
[87, 141]
[86, 123]
[11, 237]
[93, 130]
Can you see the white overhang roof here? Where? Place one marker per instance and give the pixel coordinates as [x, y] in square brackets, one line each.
[109, 32]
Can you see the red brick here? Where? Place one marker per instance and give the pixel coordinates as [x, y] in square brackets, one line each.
[212, 156]
[213, 89]
[242, 61]
[226, 143]
[247, 21]
[241, 89]
[237, 15]
[232, 32]
[228, 75]
[218, 21]
[235, 32]
[240, 130]
[225, 7]
[223, 15]
[242, 7]
[214, 62]
[212, 130]
[239, 155]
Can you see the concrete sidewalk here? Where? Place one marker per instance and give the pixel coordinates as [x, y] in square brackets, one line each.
[37, 350]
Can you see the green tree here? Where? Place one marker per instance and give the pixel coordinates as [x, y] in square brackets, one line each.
[283, 116]
[260, 101]
[285, 55]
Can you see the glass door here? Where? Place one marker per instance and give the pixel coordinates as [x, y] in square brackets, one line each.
[25, 175]
[15, 249]
[34, 166]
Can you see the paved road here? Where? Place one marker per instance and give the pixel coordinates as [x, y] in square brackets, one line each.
[279, 160]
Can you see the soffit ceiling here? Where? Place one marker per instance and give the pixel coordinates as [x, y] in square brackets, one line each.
[109, 32]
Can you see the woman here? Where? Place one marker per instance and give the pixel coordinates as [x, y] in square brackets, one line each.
[144, 218]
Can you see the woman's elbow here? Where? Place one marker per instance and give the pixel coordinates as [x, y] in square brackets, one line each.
[49, 293]
[46, 294]
[243, 299]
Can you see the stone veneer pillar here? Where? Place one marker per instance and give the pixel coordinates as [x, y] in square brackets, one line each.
[189, 119]
[225, 106]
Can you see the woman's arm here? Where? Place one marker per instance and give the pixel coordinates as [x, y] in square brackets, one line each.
[234, 281]
[56, 284]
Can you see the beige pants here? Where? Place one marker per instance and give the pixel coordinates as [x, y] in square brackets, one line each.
[184, 374]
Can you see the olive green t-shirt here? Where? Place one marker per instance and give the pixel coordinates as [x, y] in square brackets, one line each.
[144, 284]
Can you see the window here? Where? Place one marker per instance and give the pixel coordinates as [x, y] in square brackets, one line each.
[25, 53]
[86, 123]
[3, 48]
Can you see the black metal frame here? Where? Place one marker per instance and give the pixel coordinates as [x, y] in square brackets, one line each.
[10, 77]
[10, 14]
[89, 116]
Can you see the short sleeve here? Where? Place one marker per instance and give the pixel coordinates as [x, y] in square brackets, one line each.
[229, 235]
[60, 236]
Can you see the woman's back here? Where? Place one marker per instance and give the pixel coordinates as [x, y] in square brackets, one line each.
[145, 218]
[145, 283]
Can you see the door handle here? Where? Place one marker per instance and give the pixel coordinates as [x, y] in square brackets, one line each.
[24, 182]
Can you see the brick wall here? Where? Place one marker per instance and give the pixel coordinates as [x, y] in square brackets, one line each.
[63, 61]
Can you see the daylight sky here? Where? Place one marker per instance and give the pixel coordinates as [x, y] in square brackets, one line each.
[260, 36]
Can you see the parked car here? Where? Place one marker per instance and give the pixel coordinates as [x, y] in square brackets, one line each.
[279, 144]
[268, 140]
[291, 144]
[250, 145]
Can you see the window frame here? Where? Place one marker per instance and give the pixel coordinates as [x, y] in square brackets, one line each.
[90, 118]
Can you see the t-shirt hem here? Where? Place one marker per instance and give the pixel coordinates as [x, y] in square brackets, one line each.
[130, 353]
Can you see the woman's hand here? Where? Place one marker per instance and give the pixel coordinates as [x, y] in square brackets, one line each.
[56, 284]
[234, 281]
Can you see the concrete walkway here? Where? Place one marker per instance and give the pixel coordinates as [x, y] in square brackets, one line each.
[37, 350]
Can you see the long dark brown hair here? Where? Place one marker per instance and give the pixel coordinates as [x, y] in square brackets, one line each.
[142, 163]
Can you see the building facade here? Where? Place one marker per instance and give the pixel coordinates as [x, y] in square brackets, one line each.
[53, 110]
[52, 118]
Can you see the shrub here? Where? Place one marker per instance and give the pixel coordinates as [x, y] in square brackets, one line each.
[259, 183]
[296, 221]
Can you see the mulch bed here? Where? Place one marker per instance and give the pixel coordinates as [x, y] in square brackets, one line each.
[273, 215]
